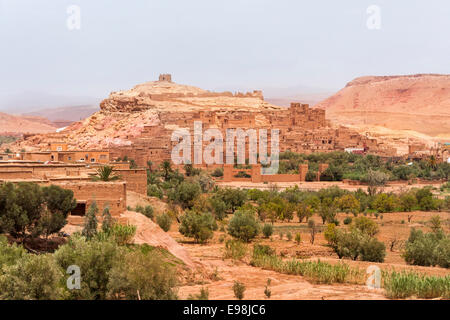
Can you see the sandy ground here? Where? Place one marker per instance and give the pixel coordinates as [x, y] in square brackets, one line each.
[296, 287]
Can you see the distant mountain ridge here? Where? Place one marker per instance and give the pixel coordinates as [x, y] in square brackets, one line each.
[10, 124]
[419, 102]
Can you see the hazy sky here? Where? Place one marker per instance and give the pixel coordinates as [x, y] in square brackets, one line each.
[318, 45]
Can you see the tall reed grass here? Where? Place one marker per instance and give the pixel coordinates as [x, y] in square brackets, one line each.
[314, 271]
[400, 285]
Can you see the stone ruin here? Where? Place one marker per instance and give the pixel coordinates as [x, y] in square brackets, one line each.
[165, 77]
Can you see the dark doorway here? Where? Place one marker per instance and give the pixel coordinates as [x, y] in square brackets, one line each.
[80, 209]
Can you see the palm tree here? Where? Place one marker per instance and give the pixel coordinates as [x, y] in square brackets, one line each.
[166, 166]
[105, 173]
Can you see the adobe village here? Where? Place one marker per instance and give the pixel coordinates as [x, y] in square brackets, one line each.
[359, 207]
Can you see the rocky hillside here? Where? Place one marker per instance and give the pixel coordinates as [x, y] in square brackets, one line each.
[418, 103]
[124, 114]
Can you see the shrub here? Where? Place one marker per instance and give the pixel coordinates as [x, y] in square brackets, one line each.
[435, 223]
[202, 295]
[218, 172]
[262, 249]
[267, 290]
[311, 176]
[122, 234]
[235, 249]
[373, 250]
[354, 244]
[205, 181]
[244, 226]
[32, 277]
[427, 249]
[289, 236]
[95, 259]
[298, 238]
[154, 191]
[365, 225]
[238, 289]
[164, 221]
[148, 212]
[267, 230]
[347, 220]
[9, 254]
[143, 276]
[199, 226]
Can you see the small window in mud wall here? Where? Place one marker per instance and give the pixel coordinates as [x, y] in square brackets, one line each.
[92, 159]
[59, 148]
[80, 209]
[70, 158]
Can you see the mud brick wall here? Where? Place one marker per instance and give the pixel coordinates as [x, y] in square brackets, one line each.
[111, 194]
[20, 174]
[136, 179]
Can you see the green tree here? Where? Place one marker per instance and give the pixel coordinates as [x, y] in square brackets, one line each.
[90, 222]
[244, 226]
[107, 221]
[59, 202]
[199, 226]
[327, 210]
[219, 207]
[185, 193]
[20, 208]
[408, 201]
[348, 203]
[384, 202]
[376, 179]
[365, 225]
